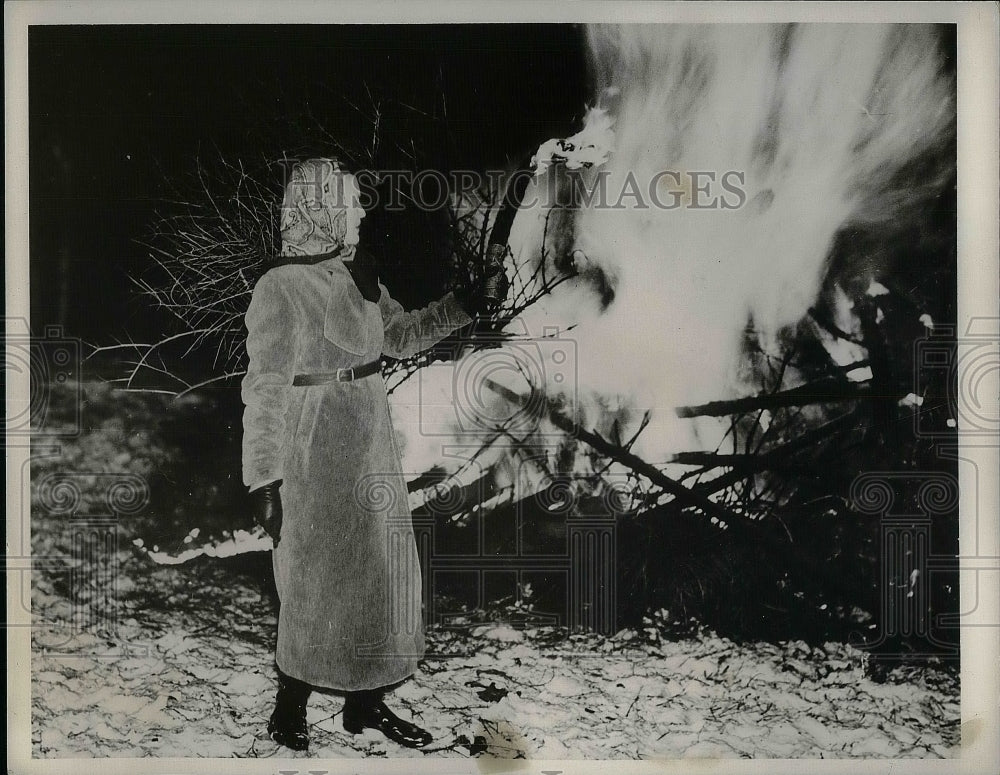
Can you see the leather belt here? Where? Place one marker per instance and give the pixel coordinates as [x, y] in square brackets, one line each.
[340, 375]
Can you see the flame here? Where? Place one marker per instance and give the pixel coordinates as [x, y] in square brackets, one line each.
[816, 122]
[586, 148]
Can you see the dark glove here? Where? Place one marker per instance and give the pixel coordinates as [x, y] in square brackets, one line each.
[267, 509]
[488, 292]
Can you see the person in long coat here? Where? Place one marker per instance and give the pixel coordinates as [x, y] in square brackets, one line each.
[322, 464]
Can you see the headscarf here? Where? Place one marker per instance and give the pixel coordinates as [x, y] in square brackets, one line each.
[320, 212]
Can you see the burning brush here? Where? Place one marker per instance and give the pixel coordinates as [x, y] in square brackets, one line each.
[590, 147]
[191, 271]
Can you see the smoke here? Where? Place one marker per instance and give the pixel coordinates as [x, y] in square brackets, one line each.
[813, 128]
[814, 124]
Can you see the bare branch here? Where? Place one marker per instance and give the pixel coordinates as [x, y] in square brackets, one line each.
[684, 495]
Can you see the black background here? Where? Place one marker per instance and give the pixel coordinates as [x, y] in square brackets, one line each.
[119, 114]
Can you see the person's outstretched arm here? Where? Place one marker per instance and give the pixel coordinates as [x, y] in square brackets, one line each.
[407, 333]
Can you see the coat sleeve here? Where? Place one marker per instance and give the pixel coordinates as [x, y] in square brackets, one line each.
[272, 333]
[407, 333]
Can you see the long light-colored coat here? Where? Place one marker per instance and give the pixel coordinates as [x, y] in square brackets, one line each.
[346, 565]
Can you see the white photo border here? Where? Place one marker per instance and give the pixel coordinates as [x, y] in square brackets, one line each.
[978, 250]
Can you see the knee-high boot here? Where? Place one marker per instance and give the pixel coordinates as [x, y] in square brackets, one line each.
[287, 725]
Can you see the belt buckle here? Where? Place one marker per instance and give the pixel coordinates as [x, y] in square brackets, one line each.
[345, 375]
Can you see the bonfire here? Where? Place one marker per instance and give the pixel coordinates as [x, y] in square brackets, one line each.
[733, 367]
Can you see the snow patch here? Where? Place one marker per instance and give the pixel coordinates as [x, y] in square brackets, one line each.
[503, 633]
[241, 542]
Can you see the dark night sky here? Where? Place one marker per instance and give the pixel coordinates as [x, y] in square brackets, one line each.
[116, 109]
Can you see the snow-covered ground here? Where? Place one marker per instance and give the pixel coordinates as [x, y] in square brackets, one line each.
[135, 658]
[184, 686]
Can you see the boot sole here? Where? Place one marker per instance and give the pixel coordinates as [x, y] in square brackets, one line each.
[290, 744]
[358, 729]
[293, 745]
